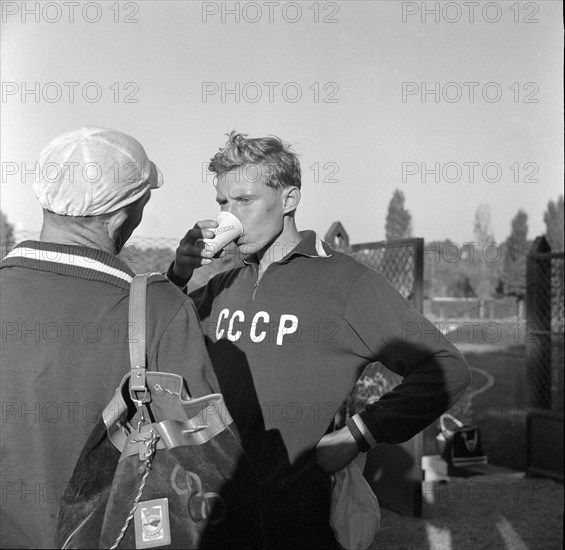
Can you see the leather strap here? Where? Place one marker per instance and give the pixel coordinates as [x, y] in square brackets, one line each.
[137, 332]
[173, 433]
[210, 417]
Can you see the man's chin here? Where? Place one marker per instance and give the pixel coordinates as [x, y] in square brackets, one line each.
[247, 249]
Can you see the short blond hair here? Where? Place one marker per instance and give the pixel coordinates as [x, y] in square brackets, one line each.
[269, 153]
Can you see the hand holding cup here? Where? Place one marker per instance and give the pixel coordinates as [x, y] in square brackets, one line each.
[229, 228]
[205, 240]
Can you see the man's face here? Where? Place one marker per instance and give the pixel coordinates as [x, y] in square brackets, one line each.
[244, 193]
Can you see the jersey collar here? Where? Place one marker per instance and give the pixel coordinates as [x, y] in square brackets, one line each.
[310, 246]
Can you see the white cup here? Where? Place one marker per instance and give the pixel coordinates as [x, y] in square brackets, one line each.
[228, 230]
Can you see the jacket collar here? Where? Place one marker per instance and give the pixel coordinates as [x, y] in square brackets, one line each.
[70, 260]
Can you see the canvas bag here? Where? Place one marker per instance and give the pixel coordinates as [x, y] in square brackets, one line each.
[355, 515]
[160, 469]
[460, 445]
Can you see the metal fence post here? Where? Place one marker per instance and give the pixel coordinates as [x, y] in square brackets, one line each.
[538, 327]
[418, 300]
[544, 314]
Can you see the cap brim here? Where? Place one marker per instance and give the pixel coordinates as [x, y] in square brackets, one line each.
[156, 177]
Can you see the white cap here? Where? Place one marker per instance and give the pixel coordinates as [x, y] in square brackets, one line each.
[93, 171]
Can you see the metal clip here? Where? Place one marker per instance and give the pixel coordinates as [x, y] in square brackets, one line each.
[145, 398]
[141, 419]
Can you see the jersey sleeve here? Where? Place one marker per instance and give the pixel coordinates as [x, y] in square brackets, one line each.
[434, 373]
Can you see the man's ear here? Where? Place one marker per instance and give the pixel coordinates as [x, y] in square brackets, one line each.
[114, 224]
[291, 197]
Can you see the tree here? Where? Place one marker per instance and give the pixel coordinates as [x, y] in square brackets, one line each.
[553, 218]
[449, 269]
[482, 229]
[6, 234]
[482, 273]
[515, 250]
[398, 219]
[463, 288]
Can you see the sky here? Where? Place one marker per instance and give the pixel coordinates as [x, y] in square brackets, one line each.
[456, 104]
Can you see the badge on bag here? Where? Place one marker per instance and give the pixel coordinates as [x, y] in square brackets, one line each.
[152, 526]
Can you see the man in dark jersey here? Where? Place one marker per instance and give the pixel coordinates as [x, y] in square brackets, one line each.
[289, 333]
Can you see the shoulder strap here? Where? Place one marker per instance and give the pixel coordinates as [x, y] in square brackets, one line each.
[137, 331]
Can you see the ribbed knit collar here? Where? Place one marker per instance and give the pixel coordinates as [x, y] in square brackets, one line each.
[73, 261]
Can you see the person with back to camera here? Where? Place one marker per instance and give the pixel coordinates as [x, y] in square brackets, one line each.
[65, 320]
[289, 333]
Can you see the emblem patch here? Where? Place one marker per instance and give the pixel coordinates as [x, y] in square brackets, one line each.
[152, 526]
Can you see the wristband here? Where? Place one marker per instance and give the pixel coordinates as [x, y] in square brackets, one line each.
[177, 281]
[358, 436]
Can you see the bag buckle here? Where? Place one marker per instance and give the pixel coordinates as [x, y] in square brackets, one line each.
[137, 384]
[139, 403]
[137, 379]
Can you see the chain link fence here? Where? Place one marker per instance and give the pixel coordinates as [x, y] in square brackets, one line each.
[557, 332]
[448, 308]
[400, 262]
